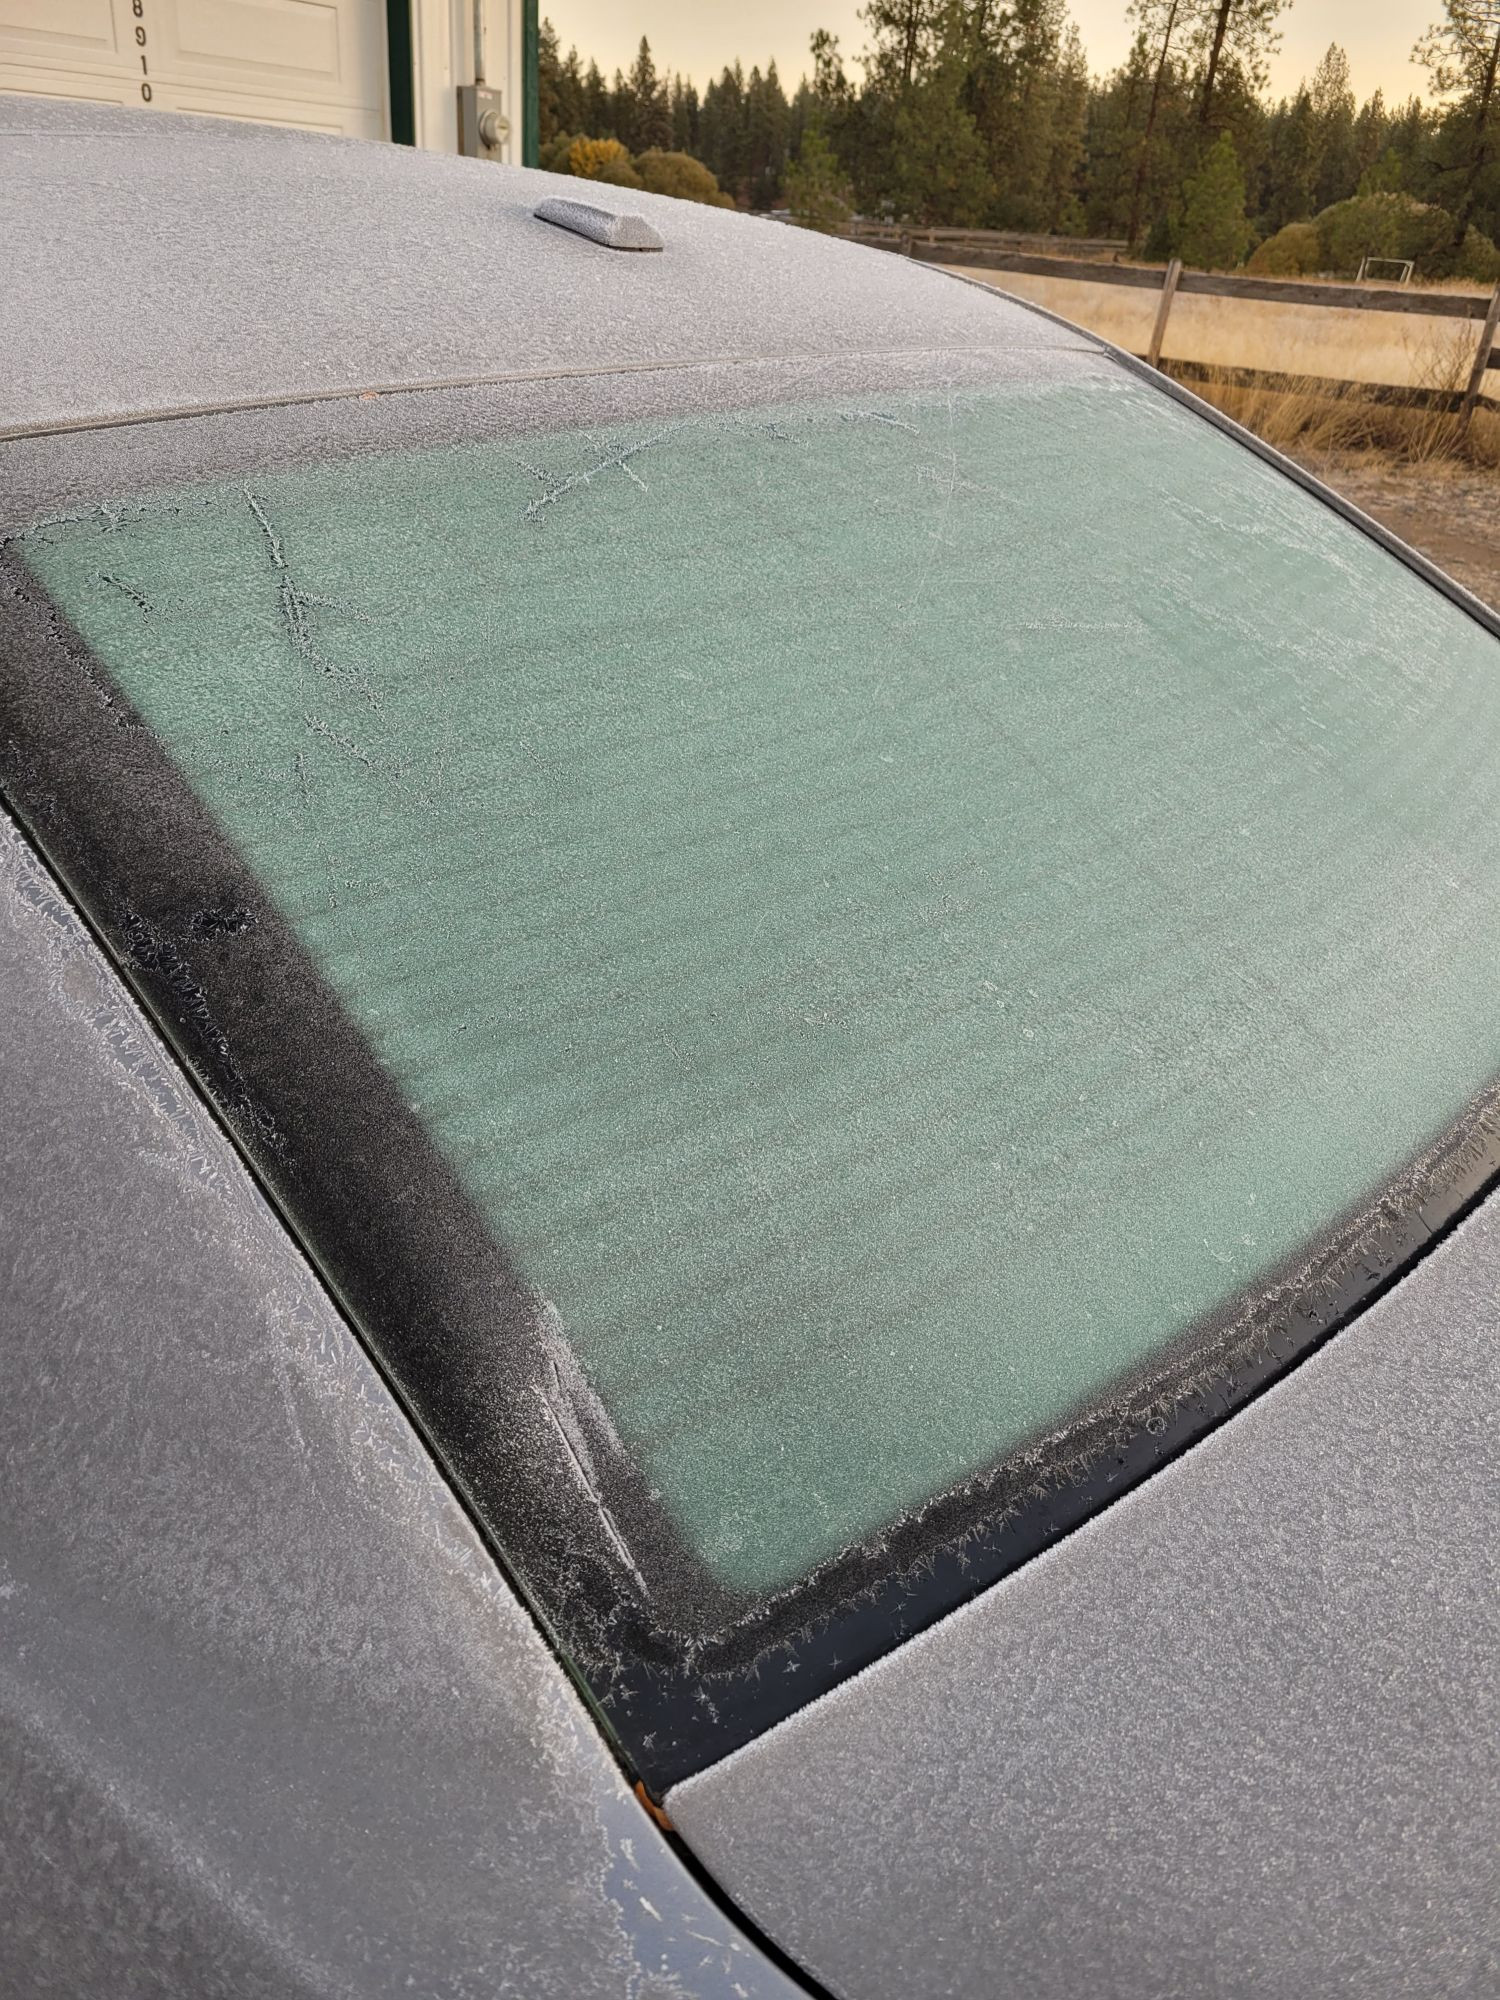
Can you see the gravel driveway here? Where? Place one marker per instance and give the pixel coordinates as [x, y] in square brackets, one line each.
[1450, 512]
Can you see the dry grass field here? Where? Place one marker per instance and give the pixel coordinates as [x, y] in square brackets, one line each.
[1285, 337]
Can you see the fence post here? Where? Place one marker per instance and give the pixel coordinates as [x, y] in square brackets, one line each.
[1168, 293]
[1481, 363]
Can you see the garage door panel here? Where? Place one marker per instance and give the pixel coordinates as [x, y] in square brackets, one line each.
[286, 38]
[320, 64]
[60, 29]
[74, 89]
[352, 121]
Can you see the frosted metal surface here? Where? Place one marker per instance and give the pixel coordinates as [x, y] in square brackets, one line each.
[1236, 1737]
[612, 228]
[158, 262]
[272, 1724]
[896, 911]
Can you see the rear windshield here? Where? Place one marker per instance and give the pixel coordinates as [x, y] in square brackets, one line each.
[903, 920]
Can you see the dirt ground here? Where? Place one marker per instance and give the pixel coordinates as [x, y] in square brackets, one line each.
[1450, 512]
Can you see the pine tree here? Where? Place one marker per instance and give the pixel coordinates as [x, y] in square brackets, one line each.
[597, 121]
[1113, 135]
[620, 119]
[904, 37]
[765, 137]
[645, 106]
[941, 174]
[572, 112]
[817, 192]
[1160, 21]
[1371, 131]
[1241, 34]
[1065, 156]
[1337, 172]
[1014, 87]
[1290, 193]
[857, 124]
[1215, 234]
[982, 112]
[684, 99]
[548, 77]
[561, 97]
[1462, 56]
[722, 127]
[801, 111]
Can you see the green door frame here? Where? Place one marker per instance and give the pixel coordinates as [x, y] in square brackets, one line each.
[398, 50]
[531, 110]
[398, 46]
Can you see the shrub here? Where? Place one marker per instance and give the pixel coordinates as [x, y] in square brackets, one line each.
[602, 160]
[1395, 225]
[553, 157]
[1293, 252]
[1367, 225]
[681, 175]
[1479, 258]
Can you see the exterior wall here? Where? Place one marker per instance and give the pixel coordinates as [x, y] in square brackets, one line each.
[318, 64]
[443, 58]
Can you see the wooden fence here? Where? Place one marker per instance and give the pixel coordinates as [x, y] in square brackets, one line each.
[981, 251]
[901, 236]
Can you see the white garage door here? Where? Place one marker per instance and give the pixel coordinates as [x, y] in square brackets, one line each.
[316, 63]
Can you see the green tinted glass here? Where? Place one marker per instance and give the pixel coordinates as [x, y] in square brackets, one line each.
[894, 913]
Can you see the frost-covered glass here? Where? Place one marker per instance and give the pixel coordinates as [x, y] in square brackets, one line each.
[895, 913]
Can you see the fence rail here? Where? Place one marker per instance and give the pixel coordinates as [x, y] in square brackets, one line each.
[985, 251]
[897, 236]
[1220, 285]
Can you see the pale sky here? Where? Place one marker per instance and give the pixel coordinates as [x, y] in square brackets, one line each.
[698, 37]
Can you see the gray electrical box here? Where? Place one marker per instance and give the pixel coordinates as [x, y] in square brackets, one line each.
[483, 127]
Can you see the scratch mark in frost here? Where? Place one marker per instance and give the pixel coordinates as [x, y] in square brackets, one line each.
[346, 743]
[295, 604]
[273, 540]
[617, 1540]
[116, 583]
[612, 461]
[875, 417]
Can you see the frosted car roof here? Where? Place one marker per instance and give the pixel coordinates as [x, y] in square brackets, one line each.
[187, 263]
